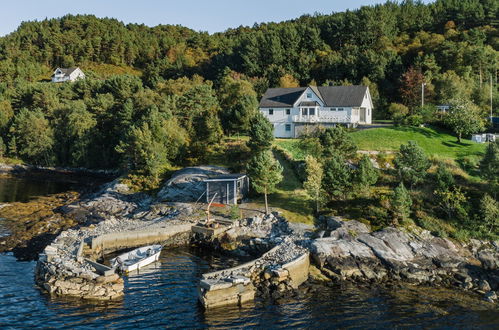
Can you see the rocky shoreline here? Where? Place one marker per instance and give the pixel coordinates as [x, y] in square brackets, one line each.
[351, 252]
[341, 251]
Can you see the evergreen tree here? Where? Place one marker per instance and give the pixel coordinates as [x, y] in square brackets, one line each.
[365, 175]
[265, 173]
[489, 165]
[337, 176]
[412, 163]
[261, 133]
[313, 183]
[336, 140]
[33, 136]
[444, 178]
[239, 104]
[489, 212]
[74, 134]
[152, 144]
[401, 204]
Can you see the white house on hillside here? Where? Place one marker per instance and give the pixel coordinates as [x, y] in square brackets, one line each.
[67, 74]
[294, 110]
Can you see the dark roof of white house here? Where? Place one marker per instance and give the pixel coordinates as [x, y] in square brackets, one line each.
[332, 96]
[67, 71]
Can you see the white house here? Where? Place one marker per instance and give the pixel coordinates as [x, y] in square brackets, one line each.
[293, 111]
[67, 74]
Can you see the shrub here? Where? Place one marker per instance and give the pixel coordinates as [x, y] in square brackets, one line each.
[468, 163]
[414, 120]
[235, 212]
[398, 110]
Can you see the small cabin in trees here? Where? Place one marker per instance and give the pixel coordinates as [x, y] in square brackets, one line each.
[227, 188]
[67, 74]
[294, 111]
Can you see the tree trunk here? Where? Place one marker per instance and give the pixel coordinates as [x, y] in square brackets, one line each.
[459, 138]
[317, 203]
[266, 203]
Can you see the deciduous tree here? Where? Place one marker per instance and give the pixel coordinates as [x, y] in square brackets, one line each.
[464, 118]
[265, 173]
[313, 183]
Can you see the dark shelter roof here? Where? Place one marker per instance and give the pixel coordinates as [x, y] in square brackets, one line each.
[332, 96]
[226, 177]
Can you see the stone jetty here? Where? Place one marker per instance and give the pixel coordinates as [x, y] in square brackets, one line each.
[68, 267]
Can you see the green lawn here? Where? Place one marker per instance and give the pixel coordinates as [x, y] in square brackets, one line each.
[435, 142]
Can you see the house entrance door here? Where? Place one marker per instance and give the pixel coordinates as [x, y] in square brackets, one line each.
[362, 118]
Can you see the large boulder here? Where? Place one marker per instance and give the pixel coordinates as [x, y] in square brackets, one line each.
[187, 184]
[341, 229]
[489, 259]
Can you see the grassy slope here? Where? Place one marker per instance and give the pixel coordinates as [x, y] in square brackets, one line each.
[290, 198]
[435, 142]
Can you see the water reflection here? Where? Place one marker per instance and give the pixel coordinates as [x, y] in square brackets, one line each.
[165, 295]
[22, 189]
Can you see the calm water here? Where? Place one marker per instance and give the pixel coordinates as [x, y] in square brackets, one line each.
[164, 295]
[21, 189]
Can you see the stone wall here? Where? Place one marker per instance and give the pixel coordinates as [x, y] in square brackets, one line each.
[98, 288]
[135, 238]
[282, 268]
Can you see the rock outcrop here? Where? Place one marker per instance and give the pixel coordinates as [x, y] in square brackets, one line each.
[187, 185]
[351, 252]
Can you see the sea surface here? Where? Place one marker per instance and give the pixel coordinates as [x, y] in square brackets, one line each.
[164, 295]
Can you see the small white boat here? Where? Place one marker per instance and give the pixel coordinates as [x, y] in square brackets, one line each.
[137, 258]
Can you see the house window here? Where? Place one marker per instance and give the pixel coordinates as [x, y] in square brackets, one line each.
[271, 112]
[304, 111]
[288, 111]
[309, 95]
[340, 109]
[332, 109]
[311, 111]
[288, 127]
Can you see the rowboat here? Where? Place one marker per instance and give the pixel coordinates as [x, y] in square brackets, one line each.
[137, 258]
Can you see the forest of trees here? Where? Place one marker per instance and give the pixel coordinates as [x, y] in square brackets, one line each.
[192, 88]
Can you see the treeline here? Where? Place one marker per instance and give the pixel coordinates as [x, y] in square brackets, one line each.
[457, 40]
[196, 87]
[120, 123]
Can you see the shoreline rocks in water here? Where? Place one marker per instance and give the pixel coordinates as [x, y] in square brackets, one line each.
[353, 253]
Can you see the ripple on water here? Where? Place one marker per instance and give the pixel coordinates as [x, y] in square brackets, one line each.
[165, 295]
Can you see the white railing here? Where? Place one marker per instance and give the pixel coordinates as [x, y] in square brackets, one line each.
[321, 119]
